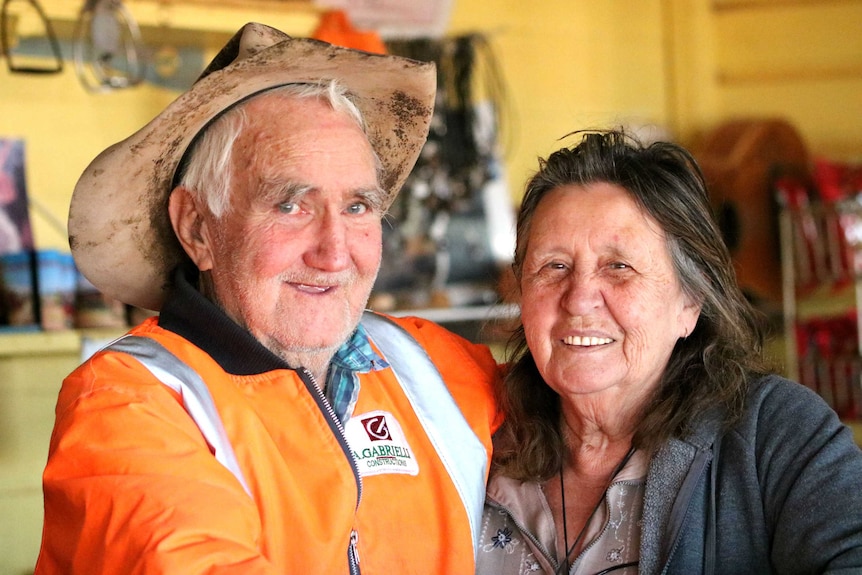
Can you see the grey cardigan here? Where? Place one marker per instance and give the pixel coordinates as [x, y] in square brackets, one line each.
[785, 497]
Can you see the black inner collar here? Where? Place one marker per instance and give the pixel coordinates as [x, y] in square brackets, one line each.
[189, 314]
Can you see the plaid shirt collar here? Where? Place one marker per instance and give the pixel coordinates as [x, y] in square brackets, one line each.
[355, 356]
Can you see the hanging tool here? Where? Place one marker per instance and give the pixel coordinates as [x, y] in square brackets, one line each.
[107, 47]
[6, 33]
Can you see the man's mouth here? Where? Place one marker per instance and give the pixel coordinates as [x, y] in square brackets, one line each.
[312, 288]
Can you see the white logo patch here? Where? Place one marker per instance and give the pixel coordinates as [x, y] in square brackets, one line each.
[379, 444]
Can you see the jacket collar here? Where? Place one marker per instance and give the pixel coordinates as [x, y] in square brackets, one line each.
[189, 314]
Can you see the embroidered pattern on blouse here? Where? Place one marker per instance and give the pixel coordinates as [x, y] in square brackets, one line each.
[503, 547]
[502, 538]
[615, 555]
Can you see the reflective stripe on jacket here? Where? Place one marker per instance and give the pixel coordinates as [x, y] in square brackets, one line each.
[261, 479]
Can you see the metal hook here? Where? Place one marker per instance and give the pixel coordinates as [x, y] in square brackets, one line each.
[5, 34]
[107, 47]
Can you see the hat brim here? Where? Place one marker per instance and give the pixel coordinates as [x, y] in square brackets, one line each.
[119, 229]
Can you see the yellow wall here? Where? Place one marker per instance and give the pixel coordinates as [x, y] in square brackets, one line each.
[806, 65]
[684, 65]
[571, 65]
[64, 128]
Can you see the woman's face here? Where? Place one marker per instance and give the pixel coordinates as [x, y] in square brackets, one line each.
[601, 303]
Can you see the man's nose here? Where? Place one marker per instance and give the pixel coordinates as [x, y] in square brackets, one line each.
[330, 253]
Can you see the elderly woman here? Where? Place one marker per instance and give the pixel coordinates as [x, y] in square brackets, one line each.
[643, 432]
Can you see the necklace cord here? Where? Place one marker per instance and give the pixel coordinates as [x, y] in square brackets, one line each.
[565, 562]
[565, 526]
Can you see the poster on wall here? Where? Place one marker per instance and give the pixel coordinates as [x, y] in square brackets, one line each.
[15, 232]
[17, 268]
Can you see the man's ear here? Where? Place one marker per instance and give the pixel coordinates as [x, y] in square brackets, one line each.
[190, 227]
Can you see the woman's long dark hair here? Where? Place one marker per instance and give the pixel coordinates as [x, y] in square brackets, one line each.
[709, 369]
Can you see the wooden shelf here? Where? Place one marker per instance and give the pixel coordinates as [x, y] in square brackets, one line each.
[35, 343]
[478, 313]
[295, 17]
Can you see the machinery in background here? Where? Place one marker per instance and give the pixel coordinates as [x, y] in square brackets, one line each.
[451, 229]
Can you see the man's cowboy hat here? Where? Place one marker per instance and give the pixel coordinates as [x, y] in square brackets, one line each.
[119, 230]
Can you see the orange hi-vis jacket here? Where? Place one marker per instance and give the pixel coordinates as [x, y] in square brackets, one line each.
[135, 484]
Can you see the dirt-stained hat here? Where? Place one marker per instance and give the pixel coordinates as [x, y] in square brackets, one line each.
[119, 229]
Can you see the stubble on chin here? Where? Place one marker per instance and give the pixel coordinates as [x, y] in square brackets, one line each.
[314, 359]
[295, 349]
[287, 338]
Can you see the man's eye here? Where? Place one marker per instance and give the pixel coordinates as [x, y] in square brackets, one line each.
[288, 207]
[357, 208]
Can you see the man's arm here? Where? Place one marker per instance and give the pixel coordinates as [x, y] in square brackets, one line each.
[132, 487]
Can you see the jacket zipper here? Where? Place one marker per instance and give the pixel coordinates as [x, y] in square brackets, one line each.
[353, 553]
[311, 383]
[606, 526]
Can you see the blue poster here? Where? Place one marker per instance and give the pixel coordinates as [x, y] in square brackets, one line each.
[15, 232]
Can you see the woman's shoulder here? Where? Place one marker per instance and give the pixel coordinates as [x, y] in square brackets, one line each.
[781, 413]
[774, 395]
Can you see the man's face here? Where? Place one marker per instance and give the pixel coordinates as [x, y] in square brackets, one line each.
[295, 257]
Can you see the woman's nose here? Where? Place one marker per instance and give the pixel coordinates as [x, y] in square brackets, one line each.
[581, 293]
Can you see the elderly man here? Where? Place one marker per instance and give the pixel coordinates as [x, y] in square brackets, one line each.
[264, 423]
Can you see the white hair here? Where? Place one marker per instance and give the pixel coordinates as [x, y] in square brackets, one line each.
[208, 172]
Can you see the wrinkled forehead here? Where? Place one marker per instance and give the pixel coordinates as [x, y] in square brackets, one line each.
[299, 147]
[263, 107]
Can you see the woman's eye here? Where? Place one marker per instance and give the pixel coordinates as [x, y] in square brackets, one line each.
[619, 266]
[555, 266]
